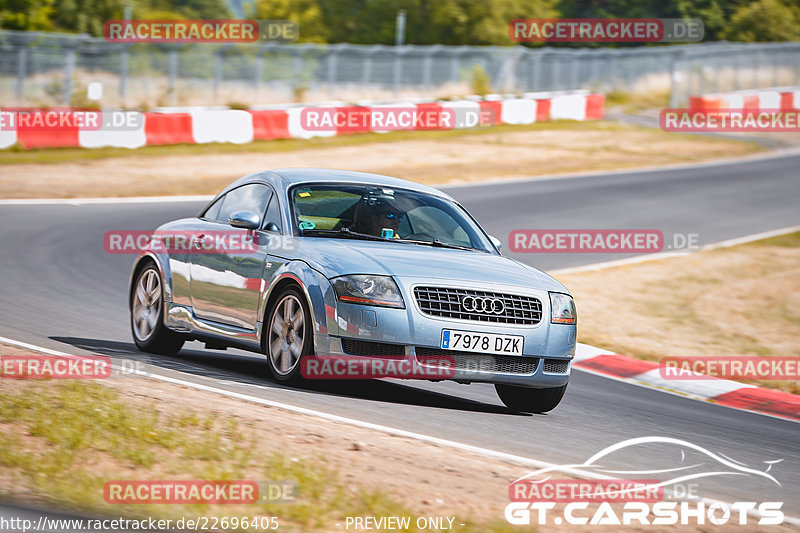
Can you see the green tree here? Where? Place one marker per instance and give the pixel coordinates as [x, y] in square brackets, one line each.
[88, 16]
[85, 16]
[764, 21]
[190, 9]
[26, 14]
[306, 13]
[479, 22]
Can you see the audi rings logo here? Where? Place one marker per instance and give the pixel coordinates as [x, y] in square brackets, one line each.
[479, 304]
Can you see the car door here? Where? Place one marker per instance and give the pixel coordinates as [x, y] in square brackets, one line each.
[228, 263]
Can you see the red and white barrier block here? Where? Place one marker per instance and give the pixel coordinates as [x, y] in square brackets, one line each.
[201, 125]
[783, 99]
[697, 386]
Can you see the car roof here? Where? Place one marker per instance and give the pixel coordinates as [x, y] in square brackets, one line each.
[284, 178]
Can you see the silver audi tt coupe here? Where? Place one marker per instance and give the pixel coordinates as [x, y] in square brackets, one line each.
[355, 265]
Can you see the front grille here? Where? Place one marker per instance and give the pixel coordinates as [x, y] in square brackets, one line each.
[507, 364]
[375, 349]
[556, 366]
[446, 302]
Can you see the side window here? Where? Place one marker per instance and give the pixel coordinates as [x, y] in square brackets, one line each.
[252, 197]
[273, 214]
[213, 212]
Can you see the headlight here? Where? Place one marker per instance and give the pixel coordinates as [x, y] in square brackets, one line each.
[369, 290]
[562, 309]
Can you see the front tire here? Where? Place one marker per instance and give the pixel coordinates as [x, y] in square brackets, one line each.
[147, 315]
[525, 400]
[289, 336]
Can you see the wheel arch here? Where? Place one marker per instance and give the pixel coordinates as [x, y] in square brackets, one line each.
[312, 285]
[163, 270]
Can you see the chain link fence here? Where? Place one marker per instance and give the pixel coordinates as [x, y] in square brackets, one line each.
[55, 69]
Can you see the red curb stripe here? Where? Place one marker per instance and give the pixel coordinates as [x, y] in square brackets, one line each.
[594, 106]
[773, 402]
[617, 365]
[270, 124]
[168, 128]
[43, 138]
[787, 101]
[494, 109]
[428, 108]
[543, 110]
[751, 102]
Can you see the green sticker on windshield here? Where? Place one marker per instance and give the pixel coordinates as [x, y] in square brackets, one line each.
[306, 224]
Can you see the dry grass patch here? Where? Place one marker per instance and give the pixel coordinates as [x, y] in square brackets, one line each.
[425, 157]
[739, 301]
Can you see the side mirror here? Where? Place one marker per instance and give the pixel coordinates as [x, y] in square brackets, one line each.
[244, 219]
[496, 242]
[273, 227]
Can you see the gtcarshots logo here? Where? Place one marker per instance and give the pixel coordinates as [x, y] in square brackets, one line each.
[538, 498]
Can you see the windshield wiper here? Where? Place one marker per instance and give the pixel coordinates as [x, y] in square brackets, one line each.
[344, 232]
[440, 244]
[347, 232]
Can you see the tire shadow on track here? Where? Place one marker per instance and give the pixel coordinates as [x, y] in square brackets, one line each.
[238, 368]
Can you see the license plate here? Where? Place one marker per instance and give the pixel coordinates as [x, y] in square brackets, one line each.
[470, 341]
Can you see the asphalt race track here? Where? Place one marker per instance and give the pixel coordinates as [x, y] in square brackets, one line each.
[59, 289]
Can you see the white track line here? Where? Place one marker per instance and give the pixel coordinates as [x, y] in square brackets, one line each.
[666, 255]
[121, 200]
[483, 452]
[777, 154]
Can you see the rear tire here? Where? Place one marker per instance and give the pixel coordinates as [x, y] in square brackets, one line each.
[147, 315]
[525, 400]
[289, 335]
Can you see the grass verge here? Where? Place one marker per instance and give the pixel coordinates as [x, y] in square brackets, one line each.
[61, 441]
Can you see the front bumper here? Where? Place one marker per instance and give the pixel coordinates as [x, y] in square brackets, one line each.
[547, 348]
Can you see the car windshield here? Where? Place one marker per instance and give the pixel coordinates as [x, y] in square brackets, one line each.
[383, 213]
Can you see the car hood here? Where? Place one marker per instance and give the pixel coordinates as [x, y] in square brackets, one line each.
[337, 257]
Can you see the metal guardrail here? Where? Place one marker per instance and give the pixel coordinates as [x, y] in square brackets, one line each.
[54, 69]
